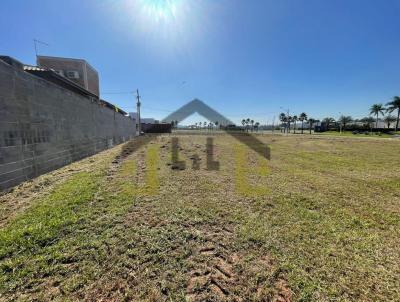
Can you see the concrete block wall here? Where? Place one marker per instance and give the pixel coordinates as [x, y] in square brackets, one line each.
[44, 126]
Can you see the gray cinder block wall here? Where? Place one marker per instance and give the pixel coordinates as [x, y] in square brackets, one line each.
[44, 126]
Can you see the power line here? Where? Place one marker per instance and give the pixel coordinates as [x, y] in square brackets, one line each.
[356, 113]
[119, 92]
[170, 111]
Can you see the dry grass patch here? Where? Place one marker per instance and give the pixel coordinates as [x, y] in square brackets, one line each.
[323, 226]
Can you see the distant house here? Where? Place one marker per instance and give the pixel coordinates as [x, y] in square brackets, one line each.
[143, 120]
[151, 125]
[76, 70]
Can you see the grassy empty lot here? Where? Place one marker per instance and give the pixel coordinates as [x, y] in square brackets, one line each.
[319, 222]
[360, 134]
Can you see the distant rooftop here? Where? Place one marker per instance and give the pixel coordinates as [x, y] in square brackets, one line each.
[34, 68]
[50, 75]
[65, 59]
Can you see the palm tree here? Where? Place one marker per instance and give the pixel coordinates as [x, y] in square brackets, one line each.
[368, 122]
[257, 125]
[289, 120]
[252, 125]
[283, 119]
[216, 125]
[311, 121]
[389, 119]
[395, 105]
[344, 120]
[328, 121]
[247, 124]
[302, 118]
[376, 109]
[295, 119]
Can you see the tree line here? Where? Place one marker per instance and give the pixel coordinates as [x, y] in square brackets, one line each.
[249, 125]
[379, 108]
[290, 122]
[376, 110]
[199, 125]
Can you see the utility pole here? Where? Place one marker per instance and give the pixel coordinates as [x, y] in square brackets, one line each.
[138, 110]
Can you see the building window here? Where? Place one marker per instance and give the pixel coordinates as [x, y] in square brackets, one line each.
[72, 74]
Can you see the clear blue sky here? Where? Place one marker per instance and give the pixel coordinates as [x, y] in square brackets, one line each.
[245, 58]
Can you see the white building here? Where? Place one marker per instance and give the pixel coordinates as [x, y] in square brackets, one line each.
[143, 120]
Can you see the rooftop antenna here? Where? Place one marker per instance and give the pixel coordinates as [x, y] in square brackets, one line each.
[35, 43]
[138, 110]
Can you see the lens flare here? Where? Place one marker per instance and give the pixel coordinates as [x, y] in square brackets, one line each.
[165, 27]
[160, 10]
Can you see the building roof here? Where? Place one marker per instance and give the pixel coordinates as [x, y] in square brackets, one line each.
[113, 107]
[51, 76]
[33, 68]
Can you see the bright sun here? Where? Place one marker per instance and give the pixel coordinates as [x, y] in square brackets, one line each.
[169, 24]
[160, 10]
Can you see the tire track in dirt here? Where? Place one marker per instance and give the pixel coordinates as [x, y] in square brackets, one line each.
[217, 272]
[213, 275]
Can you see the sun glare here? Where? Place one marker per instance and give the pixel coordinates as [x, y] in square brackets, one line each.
[160, 10]
[173, 26]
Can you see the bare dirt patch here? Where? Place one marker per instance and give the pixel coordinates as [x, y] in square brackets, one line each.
[326, 229]
[219, 273]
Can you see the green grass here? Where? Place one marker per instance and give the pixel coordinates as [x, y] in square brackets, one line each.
[28, 242]
[66, 227]
[350, 133]
[42, 224]
[323, 226]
